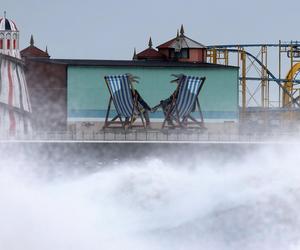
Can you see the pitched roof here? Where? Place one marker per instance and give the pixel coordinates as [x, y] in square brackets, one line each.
[33, 51]
[151, 54]
[183, 41]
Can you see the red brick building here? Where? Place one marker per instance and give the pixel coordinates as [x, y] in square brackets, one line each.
[149, 54]
[180, 49]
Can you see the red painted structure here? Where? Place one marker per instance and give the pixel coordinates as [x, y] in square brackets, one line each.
[181, 49]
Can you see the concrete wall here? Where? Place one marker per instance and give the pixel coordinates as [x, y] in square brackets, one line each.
[88, 94]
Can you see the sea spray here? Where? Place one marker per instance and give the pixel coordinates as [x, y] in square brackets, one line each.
[153, 203]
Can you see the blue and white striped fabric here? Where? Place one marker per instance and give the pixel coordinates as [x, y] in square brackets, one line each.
[121, 94]
[188, 89]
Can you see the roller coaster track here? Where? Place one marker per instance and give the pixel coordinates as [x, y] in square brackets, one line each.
[285, 44]
[289, 84]
[272, 76]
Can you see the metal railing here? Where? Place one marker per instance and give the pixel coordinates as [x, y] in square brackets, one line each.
[152, 136]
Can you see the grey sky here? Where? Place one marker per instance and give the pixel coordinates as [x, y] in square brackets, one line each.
[111, 29]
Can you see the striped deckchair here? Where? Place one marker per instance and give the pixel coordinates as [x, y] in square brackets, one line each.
[122, 96]
[185, 101]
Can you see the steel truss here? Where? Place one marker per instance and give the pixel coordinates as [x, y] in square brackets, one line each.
[254, 60]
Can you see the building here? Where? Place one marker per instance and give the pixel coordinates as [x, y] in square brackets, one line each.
[149, 54]
[15, 108]
[72, 93]
[47, 86]
[180, 49]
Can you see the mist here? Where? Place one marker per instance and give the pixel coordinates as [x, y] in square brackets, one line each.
[163, 197]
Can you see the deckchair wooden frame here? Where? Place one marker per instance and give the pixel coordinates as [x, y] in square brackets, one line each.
[117, 120]
[183, 123]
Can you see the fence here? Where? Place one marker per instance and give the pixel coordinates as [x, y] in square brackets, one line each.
[175, 135]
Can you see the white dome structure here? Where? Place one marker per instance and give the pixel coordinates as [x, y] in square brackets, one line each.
[9, 38]
[15, 106]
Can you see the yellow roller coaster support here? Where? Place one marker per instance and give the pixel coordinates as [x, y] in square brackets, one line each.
[286, 100]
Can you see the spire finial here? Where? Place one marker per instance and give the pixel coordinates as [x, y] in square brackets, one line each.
[46, 49]
[150, 43]
[181, 30]
[134, 55]
[177, 33]
[31, 41]
[5, 14]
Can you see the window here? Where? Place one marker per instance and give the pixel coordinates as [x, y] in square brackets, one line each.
[1, 40]
[172, 53]
[14, 41]
[183, 53]
[8, 37]
[8, 44]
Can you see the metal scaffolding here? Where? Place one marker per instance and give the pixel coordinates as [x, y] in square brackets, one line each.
[261, 67]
